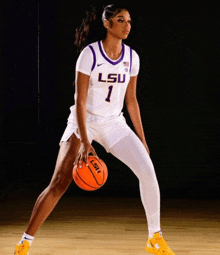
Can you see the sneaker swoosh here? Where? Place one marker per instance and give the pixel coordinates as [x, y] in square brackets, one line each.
[27, 238]
[100, 64]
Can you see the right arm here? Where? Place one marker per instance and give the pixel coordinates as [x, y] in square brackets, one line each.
[82, 84]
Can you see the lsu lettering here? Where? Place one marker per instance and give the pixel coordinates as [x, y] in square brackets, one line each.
[112, 78]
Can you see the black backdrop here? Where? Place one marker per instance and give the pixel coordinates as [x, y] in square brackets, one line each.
[178, 91]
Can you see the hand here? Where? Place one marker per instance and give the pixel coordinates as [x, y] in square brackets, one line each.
[84, 150]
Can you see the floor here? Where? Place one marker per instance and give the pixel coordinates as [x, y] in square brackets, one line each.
[111, 226]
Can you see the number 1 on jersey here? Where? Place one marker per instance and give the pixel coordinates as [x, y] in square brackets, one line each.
[109, 93]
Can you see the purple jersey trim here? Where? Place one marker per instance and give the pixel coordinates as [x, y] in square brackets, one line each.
[130, 59]
[112, 62]
[94, 57]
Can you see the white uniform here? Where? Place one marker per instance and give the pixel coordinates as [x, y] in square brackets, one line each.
[105, 122]
[107, 87]
[108, 79]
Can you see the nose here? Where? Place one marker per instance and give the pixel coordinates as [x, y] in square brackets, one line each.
[127, 24]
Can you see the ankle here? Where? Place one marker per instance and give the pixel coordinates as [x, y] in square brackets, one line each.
[151, 233]
[27, 237]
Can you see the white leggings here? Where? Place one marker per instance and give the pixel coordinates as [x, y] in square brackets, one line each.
[132, 152]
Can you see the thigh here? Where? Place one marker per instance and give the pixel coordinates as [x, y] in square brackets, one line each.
[64, 164]
[131, 151]
[72, 128]
[112, 132]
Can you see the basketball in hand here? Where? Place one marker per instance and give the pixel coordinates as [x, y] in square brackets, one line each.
[91, 177]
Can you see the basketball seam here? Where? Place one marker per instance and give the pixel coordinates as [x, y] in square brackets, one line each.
[94, 176]
[103, 177]
[84, 181]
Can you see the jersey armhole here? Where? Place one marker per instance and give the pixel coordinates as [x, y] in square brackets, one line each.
[94, 57]
[130, 59]
[134, 58]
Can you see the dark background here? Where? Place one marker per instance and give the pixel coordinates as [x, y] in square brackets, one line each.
[178, 92]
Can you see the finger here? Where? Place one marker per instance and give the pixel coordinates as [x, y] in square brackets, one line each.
[74, 167]
[94, 153]
[80, 163]
[86, 159]
[80, 160]
[76, 160]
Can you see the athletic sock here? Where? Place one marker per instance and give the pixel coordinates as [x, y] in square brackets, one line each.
[27, 237]
[151, 233]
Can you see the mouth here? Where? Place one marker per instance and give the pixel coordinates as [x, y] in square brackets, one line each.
[127, 32]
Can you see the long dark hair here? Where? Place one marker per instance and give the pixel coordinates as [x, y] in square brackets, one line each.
[92, 28]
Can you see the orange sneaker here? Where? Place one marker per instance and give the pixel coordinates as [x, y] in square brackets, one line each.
[22, 248]
[158, 246]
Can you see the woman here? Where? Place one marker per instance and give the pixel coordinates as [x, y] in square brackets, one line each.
[106, 75]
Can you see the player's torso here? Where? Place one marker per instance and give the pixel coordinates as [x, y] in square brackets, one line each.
[108, 81]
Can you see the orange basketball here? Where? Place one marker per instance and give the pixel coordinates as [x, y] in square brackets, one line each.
[91, 177]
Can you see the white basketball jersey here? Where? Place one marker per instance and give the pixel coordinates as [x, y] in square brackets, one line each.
[108, 79]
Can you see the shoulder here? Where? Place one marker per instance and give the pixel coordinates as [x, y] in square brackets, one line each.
[134, 60]
[92, 46]
[88, 51]
[87, 59]
[133, 52]
[134, 57]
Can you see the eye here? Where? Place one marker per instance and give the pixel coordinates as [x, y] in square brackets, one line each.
[120, 20]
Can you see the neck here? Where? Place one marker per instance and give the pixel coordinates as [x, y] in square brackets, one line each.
[112, 47]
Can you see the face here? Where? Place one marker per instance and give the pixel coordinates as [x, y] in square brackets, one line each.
[120, 25]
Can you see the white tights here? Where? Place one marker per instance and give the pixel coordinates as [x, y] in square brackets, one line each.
[132, 152]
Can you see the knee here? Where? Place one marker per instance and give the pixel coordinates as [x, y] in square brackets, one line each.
[62, 176]
[59, 184]
[57, 189]
[147, 172]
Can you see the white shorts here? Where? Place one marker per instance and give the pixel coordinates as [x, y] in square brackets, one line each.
[105, 131]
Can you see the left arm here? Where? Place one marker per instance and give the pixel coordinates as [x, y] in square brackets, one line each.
[134, 110]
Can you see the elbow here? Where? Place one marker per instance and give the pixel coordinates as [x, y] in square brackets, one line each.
[131, 102]
[132, 105]
[80, 101]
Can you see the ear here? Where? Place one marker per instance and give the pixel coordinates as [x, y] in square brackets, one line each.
[106, 23]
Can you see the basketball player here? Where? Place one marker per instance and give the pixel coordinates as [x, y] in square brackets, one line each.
[106, 75]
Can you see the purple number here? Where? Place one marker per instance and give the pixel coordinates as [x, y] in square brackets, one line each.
[109, 93]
